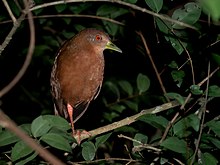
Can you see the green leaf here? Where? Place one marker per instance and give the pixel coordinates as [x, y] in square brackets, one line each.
[216, 58]
[214, 141]
[60, 8]
[155, 5]
[88, 150]
[126, 86]
[214, 126]
[178, 76]
[173, 65]
[26, 128]
[141, 138]
[175, 144]
[111, 11]
[143, 83]
[7, 137]
[131, 105]
[102, 139]
[163, 26]
[40, 126]
[57, 121]
[156, 121]
[195, 89]
[176, 96]
[20, 150]
[189, 14]
[207, 158]
[131, 1]
[79, 8]
[56, 141]
[25, 161]
[118, 108]
[211, 7]
[113, 88]
[177, 45]
[214, 91]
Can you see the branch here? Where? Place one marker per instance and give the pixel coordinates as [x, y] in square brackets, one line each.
[6, 122]
[135, 7]
[9, 11]
[30, 49]
[129, 120]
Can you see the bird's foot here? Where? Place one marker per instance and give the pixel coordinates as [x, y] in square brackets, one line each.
[80, 135]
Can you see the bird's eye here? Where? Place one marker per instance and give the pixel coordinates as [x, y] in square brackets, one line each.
[98, 38]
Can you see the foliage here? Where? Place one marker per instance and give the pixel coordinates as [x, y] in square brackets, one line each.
[183, 55]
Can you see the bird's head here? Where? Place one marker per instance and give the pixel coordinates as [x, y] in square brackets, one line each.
[98, 40]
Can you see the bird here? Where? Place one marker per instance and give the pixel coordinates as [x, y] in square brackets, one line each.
[77, 73]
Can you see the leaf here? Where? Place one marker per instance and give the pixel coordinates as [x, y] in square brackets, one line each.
[173, 65]
[26, 128]
[141, 138]
[163, 26]
[60, 8]
[143, 83]
[131, 105]
[113, 88]
[175, 144]
[131, 1]
[56, 141]
[211, 7]
[195, 89]
[189, 14]
[155, 5]
[207, 158]
[214, 126]
[214, 91]
[178, 76]
[175, 96]
[126, 86]
[40, 126]
[111, 11]
[57, 121]
[175, 43]
[118, 108]
[155, 121]
[216, 58]
[88, 150]
[101, 139]
[20, 150]
[25, 161]
[7, 137]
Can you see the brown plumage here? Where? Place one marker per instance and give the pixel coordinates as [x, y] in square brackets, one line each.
[77, 74]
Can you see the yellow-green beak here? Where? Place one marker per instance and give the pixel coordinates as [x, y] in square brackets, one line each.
[112, 46]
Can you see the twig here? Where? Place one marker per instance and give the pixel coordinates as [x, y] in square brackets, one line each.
[142, 145]
[135, 7]
[182, 106]
[203, 117]
[153, 64]
[130, 119]
[27, 61]
[9, 11]
[11, 33]
[104, 160]
[6, 122]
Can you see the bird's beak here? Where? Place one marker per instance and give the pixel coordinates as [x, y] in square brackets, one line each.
[112, 46]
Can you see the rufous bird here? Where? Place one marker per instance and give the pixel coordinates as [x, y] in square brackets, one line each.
[77, 73]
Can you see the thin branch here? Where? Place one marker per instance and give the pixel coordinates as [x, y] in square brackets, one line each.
[129, 120]
[6, 122]
[11, 33]
[135, 7]
[153, 64]
[183, 105]
[203, 117]
[27, 61]
[9, 11]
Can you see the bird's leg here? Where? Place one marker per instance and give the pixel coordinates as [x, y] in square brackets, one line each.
[70, 112]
